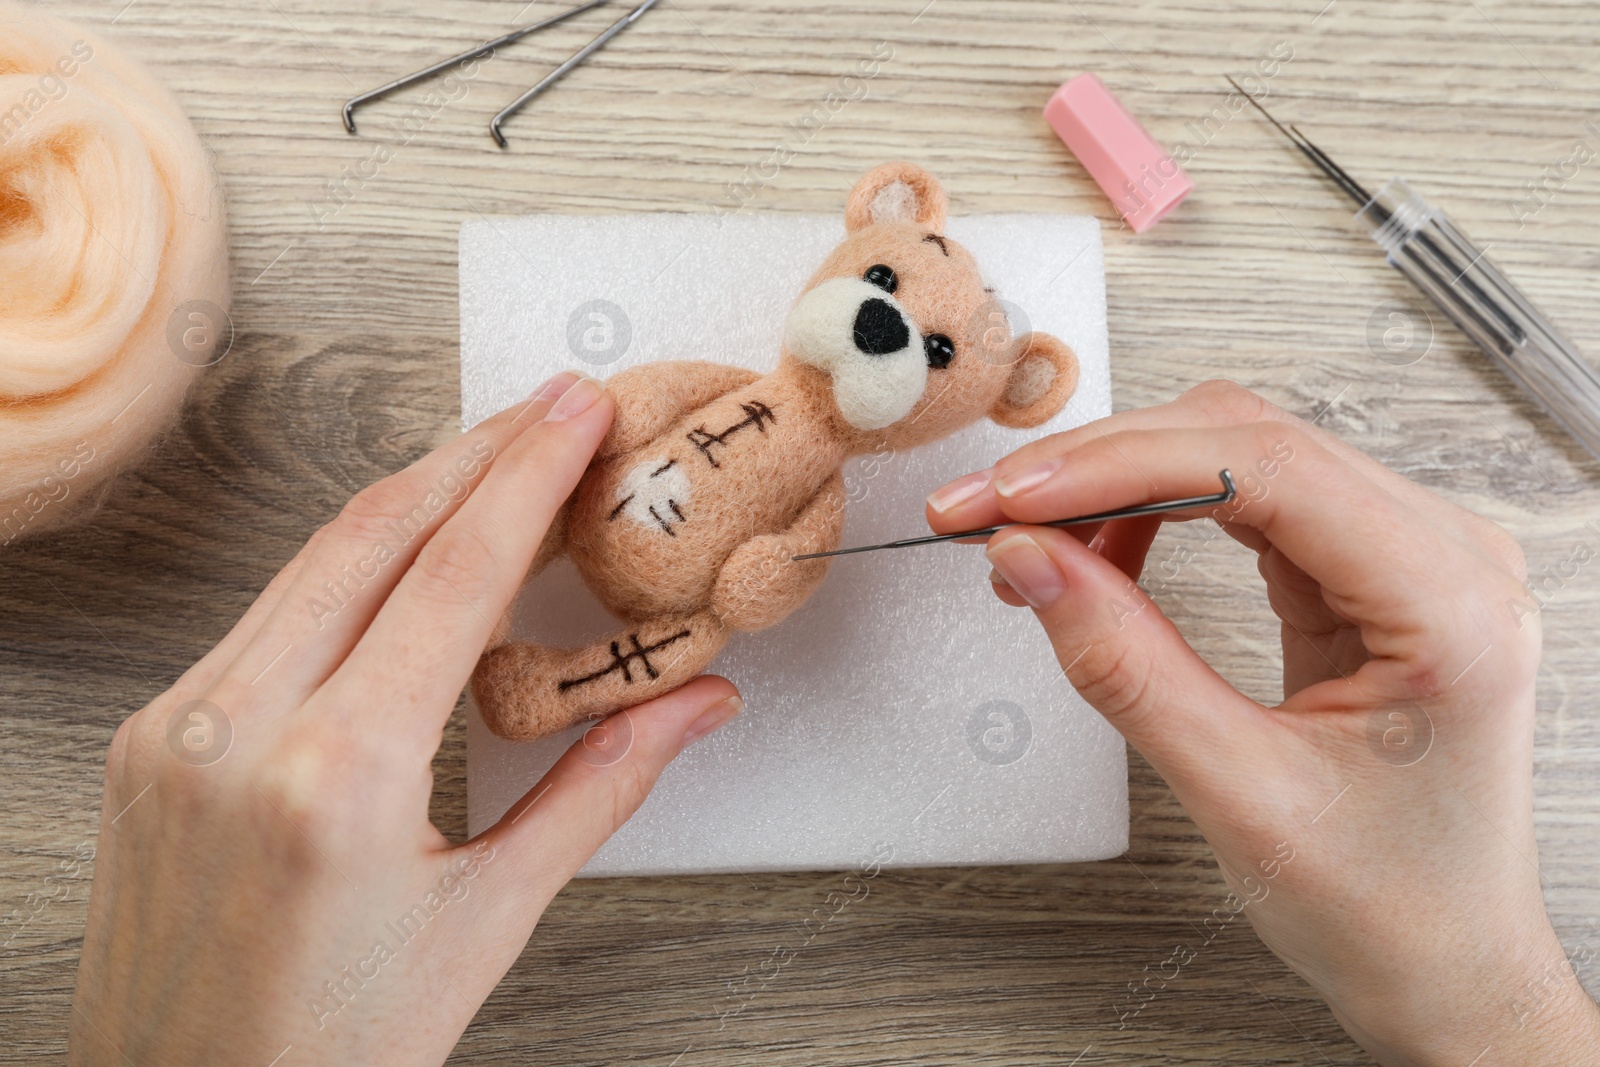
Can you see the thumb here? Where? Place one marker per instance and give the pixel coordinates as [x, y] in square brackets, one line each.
[600, 781]
[1123, 655]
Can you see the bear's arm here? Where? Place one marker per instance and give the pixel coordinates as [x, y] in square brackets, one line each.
[760, 584]
[652, 396]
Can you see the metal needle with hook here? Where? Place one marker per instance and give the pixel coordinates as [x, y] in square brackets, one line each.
[560, 72]
[1156, 508]
[470, 54]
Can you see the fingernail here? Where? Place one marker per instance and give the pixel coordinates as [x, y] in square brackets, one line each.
[1026, 568]
[717, 715]
[1027, 477]
[576, 400]
[553, 387]
[958, 491]
[996, 578]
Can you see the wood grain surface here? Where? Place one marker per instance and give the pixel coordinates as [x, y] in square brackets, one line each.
[345, 369]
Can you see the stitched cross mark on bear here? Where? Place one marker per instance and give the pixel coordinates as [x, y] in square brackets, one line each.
[620, 661]
[756, 414]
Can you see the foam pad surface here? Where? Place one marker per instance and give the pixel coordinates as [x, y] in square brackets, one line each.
[904, 711]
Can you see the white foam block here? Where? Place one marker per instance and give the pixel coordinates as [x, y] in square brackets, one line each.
[904, 707]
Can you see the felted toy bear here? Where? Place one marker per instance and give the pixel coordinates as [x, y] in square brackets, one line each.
[712, 477]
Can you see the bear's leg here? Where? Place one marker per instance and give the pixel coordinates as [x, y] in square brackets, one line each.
[526, 690]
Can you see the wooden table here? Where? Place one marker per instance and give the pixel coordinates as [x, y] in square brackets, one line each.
[345, 369]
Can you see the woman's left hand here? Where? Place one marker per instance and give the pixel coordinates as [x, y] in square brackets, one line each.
[268, 887]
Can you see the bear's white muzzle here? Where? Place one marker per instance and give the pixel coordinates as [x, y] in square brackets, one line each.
[862, 337]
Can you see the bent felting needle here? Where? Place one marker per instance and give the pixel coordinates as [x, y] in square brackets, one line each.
[349, 111]
[1157, 508]
[1435, 256]
[561, 72]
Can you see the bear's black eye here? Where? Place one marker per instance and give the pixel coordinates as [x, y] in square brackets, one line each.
[940, 351]
[883, 277]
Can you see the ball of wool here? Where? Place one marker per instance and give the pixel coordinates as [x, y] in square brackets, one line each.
[113, 266]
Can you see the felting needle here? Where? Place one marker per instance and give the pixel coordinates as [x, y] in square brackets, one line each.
[1424, 244]
[472, 53]
[1156, 508]
[561, 72]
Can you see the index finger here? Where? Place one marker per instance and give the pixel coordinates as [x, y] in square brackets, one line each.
[969, 502]
[1377, 560]
[347, 570]
[425, 640]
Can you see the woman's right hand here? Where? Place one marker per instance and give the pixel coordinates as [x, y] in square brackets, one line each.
[1377, 825]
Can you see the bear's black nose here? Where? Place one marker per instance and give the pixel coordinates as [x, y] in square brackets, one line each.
[880, 329]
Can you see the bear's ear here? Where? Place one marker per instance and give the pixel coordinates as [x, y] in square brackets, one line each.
[1043, 379]
[897, 192]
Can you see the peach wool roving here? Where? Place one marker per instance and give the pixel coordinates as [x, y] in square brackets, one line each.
[113, 266]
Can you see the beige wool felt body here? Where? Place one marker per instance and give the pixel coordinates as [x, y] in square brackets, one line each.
[712, 477]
